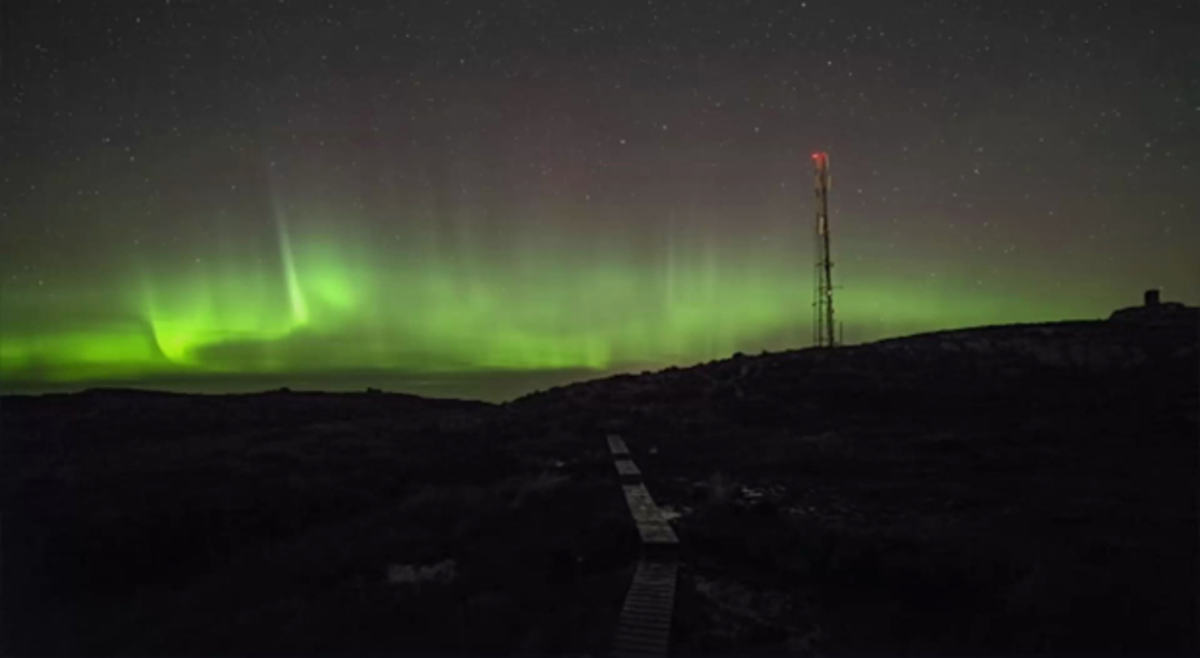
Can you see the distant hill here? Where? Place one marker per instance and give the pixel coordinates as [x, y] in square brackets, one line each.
[1139, 352]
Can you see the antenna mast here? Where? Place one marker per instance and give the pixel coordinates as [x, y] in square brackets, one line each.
[823, 327]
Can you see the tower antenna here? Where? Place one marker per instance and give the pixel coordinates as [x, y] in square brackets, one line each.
[823, 327]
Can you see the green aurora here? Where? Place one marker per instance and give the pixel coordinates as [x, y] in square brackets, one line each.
[304, 298]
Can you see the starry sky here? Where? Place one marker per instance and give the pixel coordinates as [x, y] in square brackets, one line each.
[481, 198]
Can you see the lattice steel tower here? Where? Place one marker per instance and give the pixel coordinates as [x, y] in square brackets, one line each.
[823, 334]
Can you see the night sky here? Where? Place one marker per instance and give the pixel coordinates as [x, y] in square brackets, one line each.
[481, 198]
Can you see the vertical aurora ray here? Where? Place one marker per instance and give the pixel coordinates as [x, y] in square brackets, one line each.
[296, 302]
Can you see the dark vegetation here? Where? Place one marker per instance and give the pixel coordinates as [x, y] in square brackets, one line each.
[1009, 489]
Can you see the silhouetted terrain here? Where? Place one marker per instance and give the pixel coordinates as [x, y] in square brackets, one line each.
[1003, 489]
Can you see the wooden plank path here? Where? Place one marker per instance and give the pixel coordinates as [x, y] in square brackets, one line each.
[627, 469]
[644, 627]
[651, 524]
[617, 446]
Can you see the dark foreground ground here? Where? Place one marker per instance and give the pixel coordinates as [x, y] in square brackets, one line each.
[1015, 490]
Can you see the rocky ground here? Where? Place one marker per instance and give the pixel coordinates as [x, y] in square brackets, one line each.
[1007, 489]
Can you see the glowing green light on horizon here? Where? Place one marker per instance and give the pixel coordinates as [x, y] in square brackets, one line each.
[343, 300]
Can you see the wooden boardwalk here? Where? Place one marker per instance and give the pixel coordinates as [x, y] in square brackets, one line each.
[651, 524]
[617, 446]
[644, 627]
[626, 468]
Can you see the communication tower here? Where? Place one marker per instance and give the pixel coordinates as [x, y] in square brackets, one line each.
[823, 328]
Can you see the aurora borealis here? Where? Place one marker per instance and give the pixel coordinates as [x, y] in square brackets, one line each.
[229, 196]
